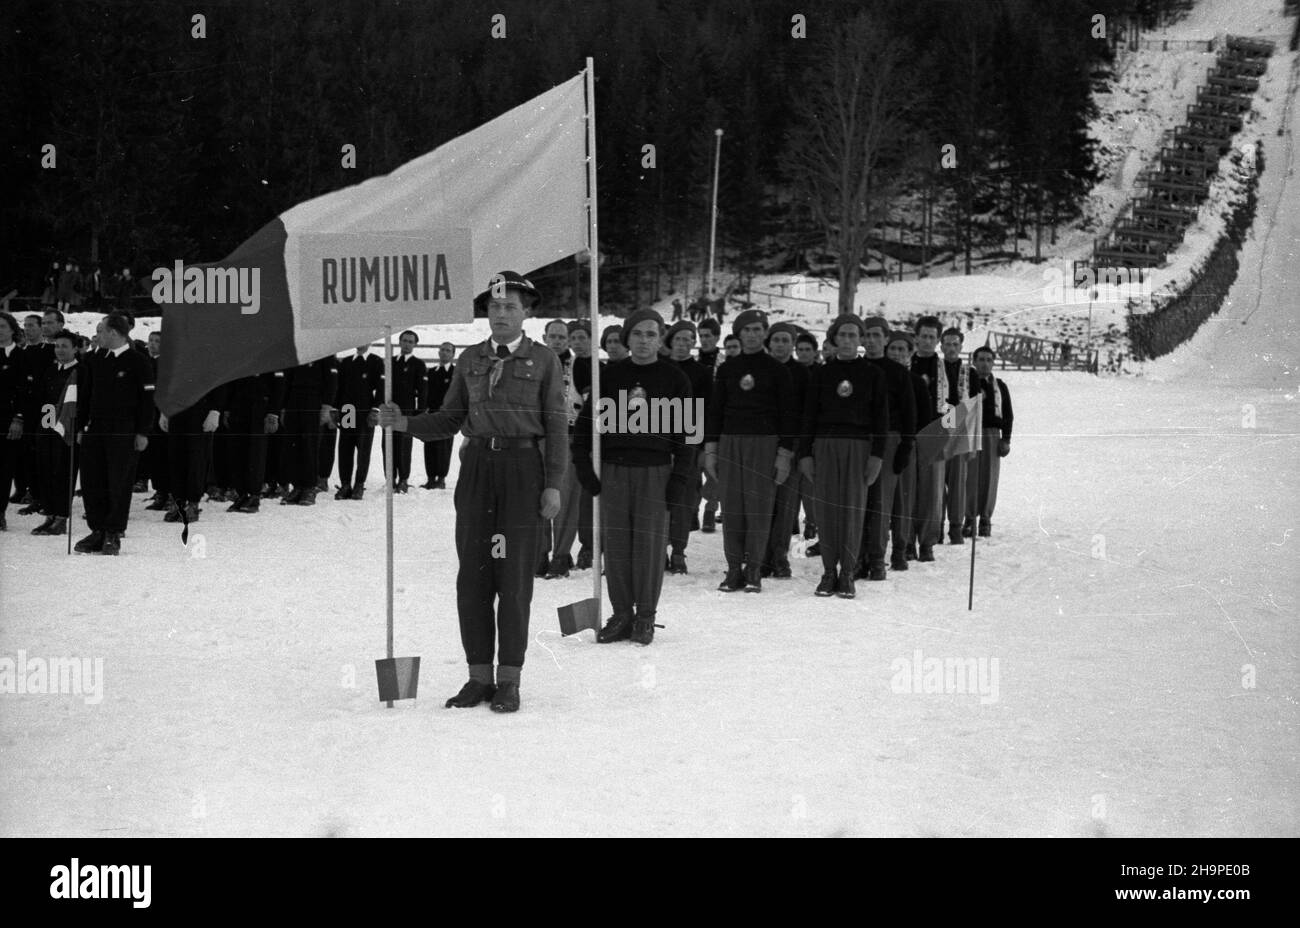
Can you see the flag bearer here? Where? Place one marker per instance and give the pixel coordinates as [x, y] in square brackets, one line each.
[506, 396]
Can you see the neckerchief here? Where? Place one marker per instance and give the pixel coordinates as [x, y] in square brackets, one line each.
[963, 385]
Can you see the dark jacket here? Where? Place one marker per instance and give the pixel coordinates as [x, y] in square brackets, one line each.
[902, 401]
[410, 383]
[308, 387]
[13, 386]
[985, 387]
[846, 399]
[116, 396]
[928, 370]
[361, 383]
[439, 382]
[752, 395]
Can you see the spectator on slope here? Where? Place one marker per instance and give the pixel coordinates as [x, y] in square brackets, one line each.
[644, 473]
[437, 454]
[507, 395]
[954, 384]
[51, 286]
[677, 309]
[926, 363]
[903, 523]
[683, 515]
[900, 436]
[842, 440]
[785, 509]
[985, 466]
[114, 412]
[750, 429]
[410, 392]
[55, 454]
[66, 288]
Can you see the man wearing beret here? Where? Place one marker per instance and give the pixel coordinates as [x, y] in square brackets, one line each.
[574, 520]
[841, 443]
[985, 466]
[902, 523]
[680, 340]
[645, 469]
[927, 363]
[114, 415]
[900, 436]
[785, 509]
[750, 430]
[506, 396]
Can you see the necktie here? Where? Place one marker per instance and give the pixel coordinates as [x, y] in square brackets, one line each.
[503, 352]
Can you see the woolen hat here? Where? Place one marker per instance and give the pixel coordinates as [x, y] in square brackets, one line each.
[844, 319]
[748, 317]
[611, 330]
[682, 325]
[637, 316]
[875, 322]
[583, 324]
[901, 336]
[788, 327]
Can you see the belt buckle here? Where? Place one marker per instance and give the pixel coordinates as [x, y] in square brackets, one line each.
[493, 446]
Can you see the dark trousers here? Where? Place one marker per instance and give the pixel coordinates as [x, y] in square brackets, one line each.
[745, 464]
[30, 450]
[785, 513]
[325, 453]
[355, 442]
[880, 504]
[301, 451]
[17, 465]
[954, 495]
[188, 458]
[681, 515]
[840, 499]
[153, 464]
[247, 448]
[566, 523]
[401, 456]
[107, 475]
[223, 464]
[437, 459]
[633, 532]
[806, 500]
[901, 523]
[982, 472]
[8, 464]
[929, 499]
[274, 446]
[55, 464]
[497, 530]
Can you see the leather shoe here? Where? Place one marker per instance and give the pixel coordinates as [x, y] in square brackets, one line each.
[735, 580]
[471, 694]
[643, 630]
[91, 544]
[112, 544]
[927, 553]
[827, 585]
[507, 698]
[618, 628]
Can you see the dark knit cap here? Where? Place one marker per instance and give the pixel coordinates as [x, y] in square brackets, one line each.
[788, 327]
[748, 317]
[901, 336]
[681, 325]
[636, 316]
[844, 319]
[875, 322]
[583, 324]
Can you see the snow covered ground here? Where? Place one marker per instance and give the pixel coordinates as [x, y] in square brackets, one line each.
[1139, 597]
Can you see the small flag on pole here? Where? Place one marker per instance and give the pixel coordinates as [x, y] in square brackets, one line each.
[65, 426]
[958, 431]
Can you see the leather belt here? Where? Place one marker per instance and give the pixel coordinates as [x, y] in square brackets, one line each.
[497, 443]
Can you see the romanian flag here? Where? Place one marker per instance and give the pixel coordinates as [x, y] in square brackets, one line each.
[958, 431]
[411, 247]
[66, 425]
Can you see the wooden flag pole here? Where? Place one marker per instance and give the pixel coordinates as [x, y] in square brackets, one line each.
[388, 486]
[72, 481]
[593, 304]
[970, 594]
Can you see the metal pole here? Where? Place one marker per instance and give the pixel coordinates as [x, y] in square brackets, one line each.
[388, 486]
[72, 478]
[713, 224]
[593, 303]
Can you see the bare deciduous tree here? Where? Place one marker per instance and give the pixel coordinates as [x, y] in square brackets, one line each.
[853, 134]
